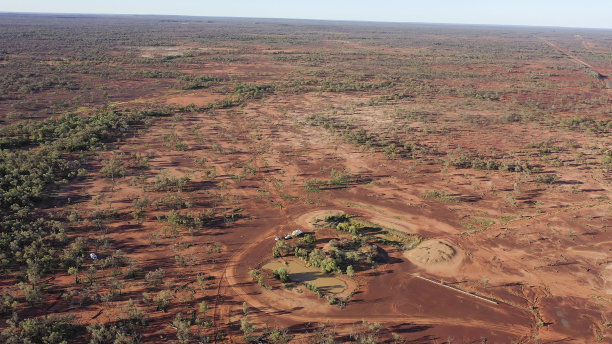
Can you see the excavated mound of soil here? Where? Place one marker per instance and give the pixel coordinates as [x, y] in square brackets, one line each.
[432, 252]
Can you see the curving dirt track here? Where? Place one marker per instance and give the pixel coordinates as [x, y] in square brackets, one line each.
[539, 249]
[406, 300]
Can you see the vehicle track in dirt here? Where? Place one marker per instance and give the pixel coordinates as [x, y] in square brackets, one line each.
[233, 281]
[224, 281]
[605, 78]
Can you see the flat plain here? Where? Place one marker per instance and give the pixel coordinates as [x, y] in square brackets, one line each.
[452, 183]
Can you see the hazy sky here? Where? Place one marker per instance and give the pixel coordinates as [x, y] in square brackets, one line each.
[573, 13]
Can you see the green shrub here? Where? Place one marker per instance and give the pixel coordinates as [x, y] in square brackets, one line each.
[192, 82]
[156, 278]
[30, 176]
[281, 248]
[48, 330]
[116, 333]
[442, 196]
[282, 275]
[112, 167]
[549, 178]
[252, 91]
[162, 300]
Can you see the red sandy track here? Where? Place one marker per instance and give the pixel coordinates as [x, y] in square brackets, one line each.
[504, 319]
[545, 259]
[605, 78]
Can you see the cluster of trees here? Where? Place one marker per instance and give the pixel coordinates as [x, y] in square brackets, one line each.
[251, 90]
[21, 79]
[337, 179]
[463, 159]
[342, 257]
[54, 329]
[587, 123]
[69, 132]
[37, 158]
[42, 158]
[48, 329]
[365, 233]
[191, 221]
[362, 138]
[192, 82]
[164, 182]
[352, 84]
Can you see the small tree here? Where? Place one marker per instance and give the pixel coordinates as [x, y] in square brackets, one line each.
[203, 307]
[390, 151]
[282, 275]
[8, 302]
[91, 275]
[247, 328]
[162, 299]
[308, 241]
[485, 282]
[116, 285]
[182, 329]
[32, 292]
[48, 329]
[113, 167]
[281, 248]
[277, 336]
[155, 278]
[75, 272]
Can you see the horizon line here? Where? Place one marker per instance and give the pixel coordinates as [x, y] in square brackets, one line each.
[309, 19]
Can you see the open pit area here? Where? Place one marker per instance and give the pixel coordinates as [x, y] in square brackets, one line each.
[452, 183]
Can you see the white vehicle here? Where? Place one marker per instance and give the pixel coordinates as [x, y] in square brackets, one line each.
[296, 232]
[277, 238]
[288, 237]
[93, 256]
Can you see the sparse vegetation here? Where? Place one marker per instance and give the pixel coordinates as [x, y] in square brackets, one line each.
[147, 163]
[442, 196]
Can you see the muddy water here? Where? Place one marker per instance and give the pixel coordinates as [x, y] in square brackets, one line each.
[299, 272]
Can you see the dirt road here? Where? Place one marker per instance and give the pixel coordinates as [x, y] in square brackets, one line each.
[398, 313]
[604, 78]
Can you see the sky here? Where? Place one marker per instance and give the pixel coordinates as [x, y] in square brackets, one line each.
[565, 13]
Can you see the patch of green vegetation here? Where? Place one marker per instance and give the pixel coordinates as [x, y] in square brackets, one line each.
[400, 240]
[460, 158]
[586, 123]
[476, 225]
[360, 137]
[287, 197]
[366, 232]
[259, 278]
[175, 142]
[32, 174]
[252, 90]
[606, 160]
[192, 82]
[165, 182]
[337, 180]
[547, 178]
[483, 94]
[48, 329]
[442, 196]
[191, 221]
